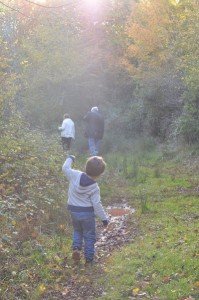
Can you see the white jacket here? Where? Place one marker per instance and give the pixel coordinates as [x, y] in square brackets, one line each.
[67, 128]
[83, 191]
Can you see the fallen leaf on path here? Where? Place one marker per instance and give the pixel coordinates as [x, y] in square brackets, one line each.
[42, 288]
[135, 291]
[65, 292]
[166, 279]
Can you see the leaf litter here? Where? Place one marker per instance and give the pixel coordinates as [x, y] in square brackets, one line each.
[83, 283]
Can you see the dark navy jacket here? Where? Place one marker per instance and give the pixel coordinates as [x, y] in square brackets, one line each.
[95, 125]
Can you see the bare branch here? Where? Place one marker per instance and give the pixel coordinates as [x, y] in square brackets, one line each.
[13, 9]
[44, 6]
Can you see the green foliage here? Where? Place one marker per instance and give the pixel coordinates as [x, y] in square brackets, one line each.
[188, 41]
[143, 200]
[188, 123]
[30, 176]
[162, 261]
[34, 219]
[69, 65]
[7, 77]
[135, 62]
[163, 54]
[126, 59]
[36, 231]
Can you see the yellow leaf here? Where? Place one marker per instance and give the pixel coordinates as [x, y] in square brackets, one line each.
[65, 292]
[42, 288]
[62, 227]
[136, 291]
[57, 258]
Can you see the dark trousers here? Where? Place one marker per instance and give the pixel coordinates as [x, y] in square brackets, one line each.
[66, 141]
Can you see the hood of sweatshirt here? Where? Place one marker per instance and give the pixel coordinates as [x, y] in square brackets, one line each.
[85, 180]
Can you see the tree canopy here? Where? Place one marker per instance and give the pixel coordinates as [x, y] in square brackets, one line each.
[137, 60]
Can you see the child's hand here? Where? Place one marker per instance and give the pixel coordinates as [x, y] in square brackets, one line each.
[72, 157]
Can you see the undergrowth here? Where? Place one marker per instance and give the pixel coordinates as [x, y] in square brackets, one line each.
[35, 228]
[162, 262]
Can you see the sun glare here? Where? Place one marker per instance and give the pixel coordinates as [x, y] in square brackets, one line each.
[91, 4]
[40, 1]
[88, 4]
[175, 2]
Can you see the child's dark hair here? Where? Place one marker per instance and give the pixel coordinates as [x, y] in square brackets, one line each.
[95, 166]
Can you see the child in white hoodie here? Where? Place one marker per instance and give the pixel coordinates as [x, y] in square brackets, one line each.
[84, 204]
[67, 131]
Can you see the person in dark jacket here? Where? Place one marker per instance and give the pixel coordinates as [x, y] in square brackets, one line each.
[94, 130]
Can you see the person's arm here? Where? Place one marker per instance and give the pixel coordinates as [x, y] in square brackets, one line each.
[86, 117]
[73, 131]
[62, 126]
[67, 166]
[98, 208]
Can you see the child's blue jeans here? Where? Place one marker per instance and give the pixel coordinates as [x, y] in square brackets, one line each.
[84, 231]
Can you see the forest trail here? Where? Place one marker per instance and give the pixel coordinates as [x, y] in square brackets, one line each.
[84, 282]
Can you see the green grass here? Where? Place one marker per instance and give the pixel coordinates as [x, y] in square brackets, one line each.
[162, 262]
[35, 267]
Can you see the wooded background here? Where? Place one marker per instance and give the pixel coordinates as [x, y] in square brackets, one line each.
[137, 60]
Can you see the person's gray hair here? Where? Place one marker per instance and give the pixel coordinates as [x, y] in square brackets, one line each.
[66, 116]
[95, 108]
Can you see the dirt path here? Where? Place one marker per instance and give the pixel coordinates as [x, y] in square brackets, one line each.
[84, 283]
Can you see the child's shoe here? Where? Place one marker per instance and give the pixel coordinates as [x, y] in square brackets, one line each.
[76, 256]
[89, 263]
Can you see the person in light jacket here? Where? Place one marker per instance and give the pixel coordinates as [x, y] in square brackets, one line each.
[84, 204]
[67, 131]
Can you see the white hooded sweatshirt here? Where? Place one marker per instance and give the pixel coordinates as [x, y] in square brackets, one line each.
[67, 128]
[83, 193]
